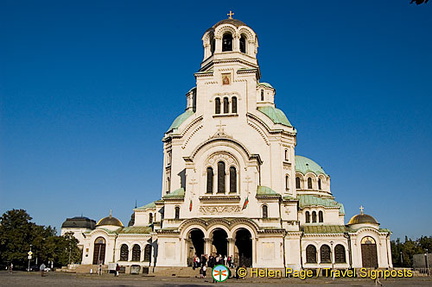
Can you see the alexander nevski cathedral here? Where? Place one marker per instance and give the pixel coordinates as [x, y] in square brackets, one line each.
[233, 184]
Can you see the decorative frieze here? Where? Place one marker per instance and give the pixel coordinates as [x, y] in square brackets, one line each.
[218, 209]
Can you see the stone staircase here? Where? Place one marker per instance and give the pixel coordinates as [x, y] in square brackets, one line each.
[84, 268]
[186, 272]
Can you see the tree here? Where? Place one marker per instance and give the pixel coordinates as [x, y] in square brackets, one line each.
[17, 233]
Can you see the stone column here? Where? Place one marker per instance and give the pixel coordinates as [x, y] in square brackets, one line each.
[231, 245]
[207, 246]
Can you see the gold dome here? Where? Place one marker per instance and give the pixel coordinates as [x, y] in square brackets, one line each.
[110, 220]
[362, 218]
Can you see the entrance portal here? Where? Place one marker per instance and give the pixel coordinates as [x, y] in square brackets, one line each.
[99, 251]
[195, 245]
[243, 248]
[220, 242]
[369, 252]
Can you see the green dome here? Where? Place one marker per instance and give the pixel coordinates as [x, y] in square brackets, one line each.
[180, 119]
[305, 165]
[276, 115]
[266, 85]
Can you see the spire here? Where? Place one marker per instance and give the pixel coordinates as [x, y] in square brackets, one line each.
[110, 214]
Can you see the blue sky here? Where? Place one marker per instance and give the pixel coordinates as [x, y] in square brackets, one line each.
[88, 88]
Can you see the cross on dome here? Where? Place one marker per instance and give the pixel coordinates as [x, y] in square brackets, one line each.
[361, 209]
[230, 14]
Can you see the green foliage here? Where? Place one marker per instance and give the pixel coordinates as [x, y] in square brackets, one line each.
[17, 233]
[402, 253]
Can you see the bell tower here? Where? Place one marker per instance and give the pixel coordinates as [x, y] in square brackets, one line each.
[230, 40]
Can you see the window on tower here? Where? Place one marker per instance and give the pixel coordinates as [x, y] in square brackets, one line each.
[233, 180]
[298, 182]
[307, 217]
[234, 105]
[262, 95]
[227, 42]
[221, 177]
[314, 217]
[264, 211]
[177, 212]
[309, 181]
[217, 106]
[243, 44]
[319, 183]
[320, 216]
[225, 105]
[209, 180]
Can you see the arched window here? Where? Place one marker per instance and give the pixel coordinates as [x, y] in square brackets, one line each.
[217, 106]
[298, 182]
[234, 105]
[212, 45]
[225, 106]
[311, 254]
[221, 177]
[314, 219]
[227, 42]
[243, 44]
[339, 254]
[286, 154]
[177, 212]
[233, 179]
[286, 182]
[124, 253]
[262, 95]
[325, 254]
[320, 216]
[150, 218]
[309, 183]
[147, 253]
[136, 253]
[168, 185]
[209, 180]
[319, 183]
[264, 211]
[307, 217]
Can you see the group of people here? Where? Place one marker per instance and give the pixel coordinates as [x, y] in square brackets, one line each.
[202, 262]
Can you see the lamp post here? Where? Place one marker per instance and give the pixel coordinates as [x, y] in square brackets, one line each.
[29, 258]
[332, 261]
[426, 261]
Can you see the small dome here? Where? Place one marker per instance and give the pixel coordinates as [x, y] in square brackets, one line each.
[110, 220]
[362, 218]
[305, 165]
[234, 22]
[79, 222]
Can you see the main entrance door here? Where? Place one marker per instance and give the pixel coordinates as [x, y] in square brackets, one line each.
[369, 252]
[99, 251]
[220, 242]
[196, 245]
[243, 243]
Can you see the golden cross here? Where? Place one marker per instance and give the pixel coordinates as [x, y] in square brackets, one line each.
[230, 14]
[361, 209]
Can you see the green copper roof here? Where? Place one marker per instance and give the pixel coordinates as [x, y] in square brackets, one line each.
[180, 119]
[264, 190]
[266, 85]
[179, 193]
[276, 115]
[312, 200]
[305, 165]
[136, 230]
[324, 228]
[150, 205]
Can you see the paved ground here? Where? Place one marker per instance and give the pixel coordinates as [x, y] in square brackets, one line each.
[33, 279]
